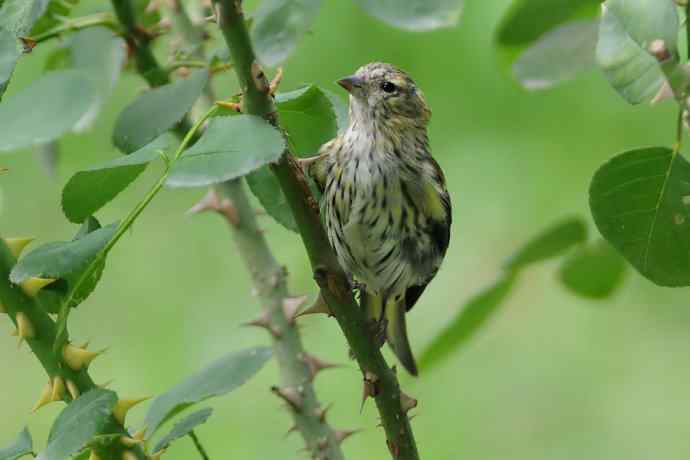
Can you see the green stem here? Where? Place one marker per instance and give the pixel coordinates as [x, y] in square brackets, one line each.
[332, 280]
[139, 41]
[269, 280]
[14, 302]
[199, 447]
[122, 228]
[679, 130]
[84, 22]
[687, 28]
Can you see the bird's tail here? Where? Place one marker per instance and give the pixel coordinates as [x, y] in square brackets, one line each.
[392, 314]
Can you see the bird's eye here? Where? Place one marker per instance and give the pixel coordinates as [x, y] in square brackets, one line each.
[388, 87]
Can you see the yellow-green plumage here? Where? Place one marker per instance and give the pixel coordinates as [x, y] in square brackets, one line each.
[385, 204]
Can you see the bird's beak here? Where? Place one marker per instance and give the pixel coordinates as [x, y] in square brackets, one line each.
[350, 83]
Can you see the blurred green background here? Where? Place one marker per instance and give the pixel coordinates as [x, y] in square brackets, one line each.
[551, 377]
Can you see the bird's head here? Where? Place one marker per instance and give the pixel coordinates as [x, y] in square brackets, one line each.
[387, 94]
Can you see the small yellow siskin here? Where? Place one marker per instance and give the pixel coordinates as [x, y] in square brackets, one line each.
[385, 205]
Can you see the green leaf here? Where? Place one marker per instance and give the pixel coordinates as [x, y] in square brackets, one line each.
[312, 116]
[57, 101]
[10, 51]
[468, 321]
[55, 12]
[340, 108]
[183, 428]
[231, 147]
[21, 446]
[52, 296]
[526, 22]
[62, 259]
[99, 54]
[627, 28]
[83, 418]
[557, 56]
[88, 191]
[640, 201]
[550, 243]
[414, 15]
[156, 111]
[278, 25]
[221, 377]
[593, 271]
[59, 58]
[309, 118]
[19, 16]
[265, 186]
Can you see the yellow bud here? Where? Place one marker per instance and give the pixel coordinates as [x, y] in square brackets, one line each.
[17, 245]
[78, 358]
[123, 406]
[32, 285]
[128, 455]
[73, 389]
[94, 455]
[45, 397]
[58, 389]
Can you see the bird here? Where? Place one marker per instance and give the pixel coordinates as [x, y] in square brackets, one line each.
[384, 202]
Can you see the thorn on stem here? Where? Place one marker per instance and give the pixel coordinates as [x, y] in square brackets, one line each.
[291, 306]
[264, 322]
[318, 307]
[45, 397]
[290, 395]
[212, 202]
[315, 364]
[407, 402]
[370, 388]
[73, 389]
[342, 435]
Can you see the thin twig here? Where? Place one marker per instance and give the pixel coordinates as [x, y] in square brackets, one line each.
[199, 447]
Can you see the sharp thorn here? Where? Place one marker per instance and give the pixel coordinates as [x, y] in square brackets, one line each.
[32, 285]
[45, 397]
[315, 364]
[291, 306]
[79, 358]
[25, 330]
[129, 455]
[72, 388]
[407, 402]
[290, 395]
[322, 412]
[210, 202]
[264, 322]
[342, 435]
[123, 406]
[17, 245]
[58, 392]
[318, 307]
[130, 442]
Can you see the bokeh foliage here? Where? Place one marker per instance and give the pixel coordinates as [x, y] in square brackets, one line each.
[667, 267]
